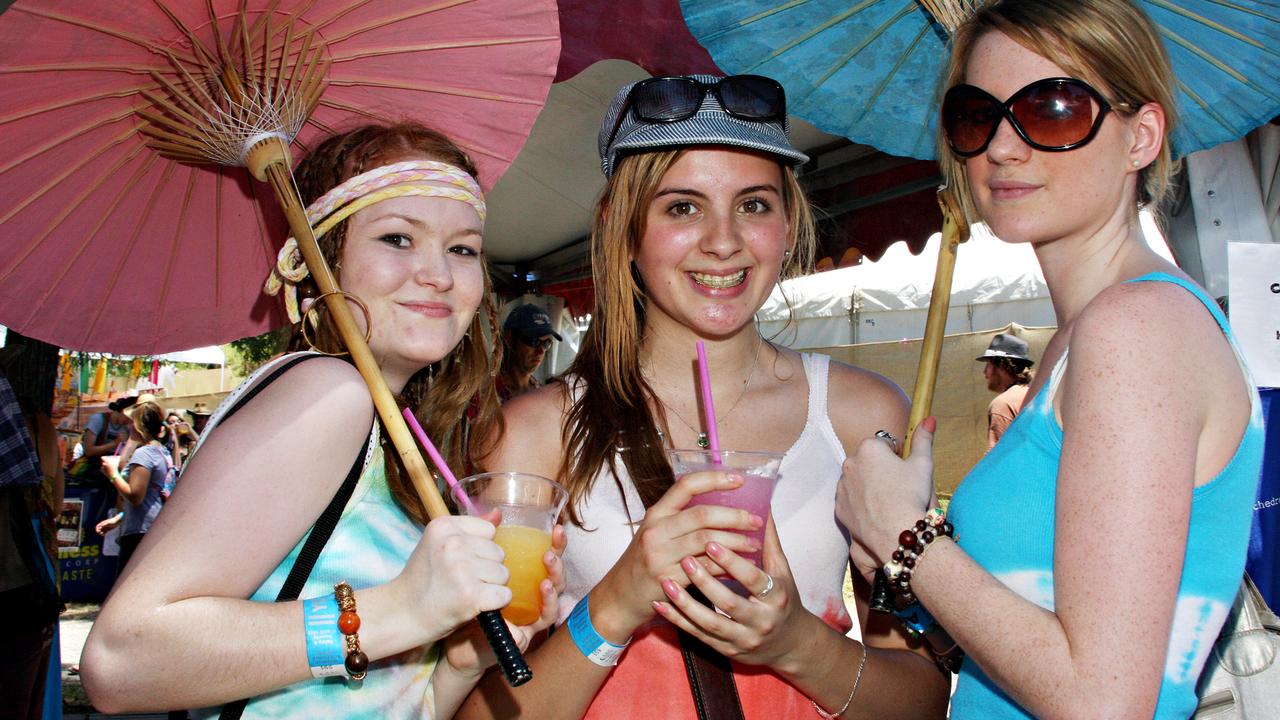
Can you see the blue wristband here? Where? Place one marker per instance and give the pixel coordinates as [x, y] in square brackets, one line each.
[324, 639]
[593, 646]
[916, 619]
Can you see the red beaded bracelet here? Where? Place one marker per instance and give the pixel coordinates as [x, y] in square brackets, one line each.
[911, 545]
[357, 663]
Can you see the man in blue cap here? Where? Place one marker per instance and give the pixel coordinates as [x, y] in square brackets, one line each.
[1008, 372]
[526, 336]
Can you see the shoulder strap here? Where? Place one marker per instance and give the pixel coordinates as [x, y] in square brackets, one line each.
[320, 532]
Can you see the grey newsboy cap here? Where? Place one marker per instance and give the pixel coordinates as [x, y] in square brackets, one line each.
[711, 125]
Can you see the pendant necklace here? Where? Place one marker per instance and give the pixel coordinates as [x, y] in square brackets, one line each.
[703, 441]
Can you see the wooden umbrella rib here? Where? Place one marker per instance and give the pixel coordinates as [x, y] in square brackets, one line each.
[1217, 26]
[69, 208]
[864, 43]
[75, 67]
[78, 100]
[123, 256]
[1208, 109]
[70, 170]
[176, 250]
[173, 108]
[88, 238]
[197, 46]
[66, 137]
[388, 20]
[224, 54]
[350, 81]
[884, 82]
[427, 47]
[821, 28]
[198, 87]
[762, 15]
[92, 25]
[1174, 37]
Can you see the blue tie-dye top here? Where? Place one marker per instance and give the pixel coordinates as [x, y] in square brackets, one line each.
[370, 546]
[1004, 514]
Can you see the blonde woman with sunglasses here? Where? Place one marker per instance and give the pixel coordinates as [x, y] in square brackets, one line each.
[1098, 547]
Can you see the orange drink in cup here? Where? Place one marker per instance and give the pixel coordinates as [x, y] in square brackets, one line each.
[530, 506]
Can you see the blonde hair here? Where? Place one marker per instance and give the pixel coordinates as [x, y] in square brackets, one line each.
[1110, 44]
[612, 411]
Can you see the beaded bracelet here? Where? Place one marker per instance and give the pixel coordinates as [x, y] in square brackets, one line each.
[357, 663]
[911, 545]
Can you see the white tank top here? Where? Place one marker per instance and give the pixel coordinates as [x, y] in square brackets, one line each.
[816, 545]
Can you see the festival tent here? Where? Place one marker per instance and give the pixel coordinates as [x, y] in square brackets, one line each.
[995, 284]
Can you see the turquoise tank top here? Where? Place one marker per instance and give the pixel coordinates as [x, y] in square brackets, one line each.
[369, 546]
[1003, 513]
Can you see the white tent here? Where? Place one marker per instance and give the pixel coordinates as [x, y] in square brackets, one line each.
[995, 283]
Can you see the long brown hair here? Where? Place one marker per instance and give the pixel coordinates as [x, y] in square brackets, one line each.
[1111, 44]
[441, 393]
[611, 412]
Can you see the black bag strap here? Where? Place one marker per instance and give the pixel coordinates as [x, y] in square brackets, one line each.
[320, 533]
[715, 692]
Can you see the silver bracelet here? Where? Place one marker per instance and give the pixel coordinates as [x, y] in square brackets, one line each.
[857, 680]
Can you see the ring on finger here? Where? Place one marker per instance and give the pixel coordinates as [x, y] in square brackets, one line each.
[768, 586]
[889, 438]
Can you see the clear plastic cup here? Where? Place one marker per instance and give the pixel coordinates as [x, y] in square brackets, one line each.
[759, 471]
[530, 506]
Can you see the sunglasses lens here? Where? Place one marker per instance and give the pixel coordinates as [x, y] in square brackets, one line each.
[752, 97]
[968, 118]
[1055, 114]
[667, 99]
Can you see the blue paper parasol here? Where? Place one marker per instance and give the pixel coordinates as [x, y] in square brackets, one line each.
[869, 70]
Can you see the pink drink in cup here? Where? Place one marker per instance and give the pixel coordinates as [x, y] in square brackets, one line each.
[759, 471]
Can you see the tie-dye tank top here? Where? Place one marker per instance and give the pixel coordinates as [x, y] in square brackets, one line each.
[650, 681]
[370, 545]
[1004, 512]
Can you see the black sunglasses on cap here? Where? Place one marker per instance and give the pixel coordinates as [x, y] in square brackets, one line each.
[672, 99]
[1053, 114]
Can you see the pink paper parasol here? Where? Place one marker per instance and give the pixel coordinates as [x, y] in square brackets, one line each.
[111, 247]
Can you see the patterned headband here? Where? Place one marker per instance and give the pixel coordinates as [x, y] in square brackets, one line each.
[425, 178]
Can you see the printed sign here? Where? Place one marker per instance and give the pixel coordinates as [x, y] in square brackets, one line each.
[1255, 307]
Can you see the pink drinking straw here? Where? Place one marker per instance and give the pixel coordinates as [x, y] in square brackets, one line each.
[708, 405]
[439, 461]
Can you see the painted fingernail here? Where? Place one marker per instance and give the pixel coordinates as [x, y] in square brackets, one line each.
[690, 565]
[670, 588]
[756, 521]
[736, 479]
[659, 607]
[715, 549]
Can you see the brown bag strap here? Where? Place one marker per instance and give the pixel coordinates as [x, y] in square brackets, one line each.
[715, 693]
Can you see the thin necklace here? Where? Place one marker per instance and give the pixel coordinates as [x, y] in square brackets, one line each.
[703, 441]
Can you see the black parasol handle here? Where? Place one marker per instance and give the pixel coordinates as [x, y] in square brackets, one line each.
[505, 648]
[881, 593]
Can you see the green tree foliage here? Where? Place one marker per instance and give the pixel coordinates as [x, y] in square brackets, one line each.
[248, 353]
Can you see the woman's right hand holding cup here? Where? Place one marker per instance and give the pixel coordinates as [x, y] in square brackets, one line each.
[670, 532]
[453, 575]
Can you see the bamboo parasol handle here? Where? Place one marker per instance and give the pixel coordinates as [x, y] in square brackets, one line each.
[272, 158]
[269, 161]
[955, 230]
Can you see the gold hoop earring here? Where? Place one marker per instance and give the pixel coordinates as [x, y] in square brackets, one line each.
[306, 320]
